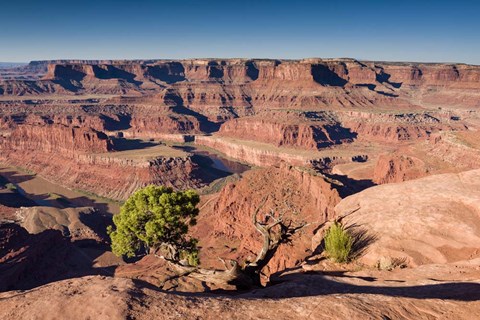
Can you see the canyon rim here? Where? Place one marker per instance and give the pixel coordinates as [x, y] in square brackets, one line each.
[284, 187]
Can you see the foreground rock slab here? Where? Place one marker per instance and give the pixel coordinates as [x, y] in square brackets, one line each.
[97, 297]
[430, 220]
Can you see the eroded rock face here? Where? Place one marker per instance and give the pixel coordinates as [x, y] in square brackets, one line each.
[460, 154]
[314, 130]
[250, 154]
[398, 168]
[57, 139]
[463, 76]
[79, 158]
[429, 220]
[29, 260]
[204, 84]
[325, 71]
[225, 227]
[156, 97]
[85, 172]
[154, 127]
[289, 134]
[396, 127]
[138, 119]
[75, 223]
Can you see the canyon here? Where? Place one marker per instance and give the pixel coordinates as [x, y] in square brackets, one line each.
[389, 149]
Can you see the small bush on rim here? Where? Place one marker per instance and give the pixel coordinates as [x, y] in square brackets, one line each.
[338, 243]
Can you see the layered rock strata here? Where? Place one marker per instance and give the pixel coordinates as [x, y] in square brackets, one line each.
[215, 83]
[81, 159]
[302, 197]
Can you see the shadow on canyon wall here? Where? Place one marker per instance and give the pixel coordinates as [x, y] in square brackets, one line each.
[121, 123]
[45, 257]
[206, 125]
[120, 144]
[348, 185]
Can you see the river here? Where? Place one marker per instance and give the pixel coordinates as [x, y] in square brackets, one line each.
[207, 160]
[46, 193]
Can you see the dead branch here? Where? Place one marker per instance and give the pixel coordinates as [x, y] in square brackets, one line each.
[343, 216]
[249, 275]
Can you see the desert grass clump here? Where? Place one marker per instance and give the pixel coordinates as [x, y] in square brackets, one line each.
[338, 243]
[11, 187]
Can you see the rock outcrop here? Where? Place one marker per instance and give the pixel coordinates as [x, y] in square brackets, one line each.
[396, 127]
[75, 223]
[397, 168]
[254, 155]
[79, 158]
[454, 151]
[29, 260]
[318, 130]
[61, 139]
[434, 219]
[272, 129]
[225, 227]
[243, 83]
[115, 298]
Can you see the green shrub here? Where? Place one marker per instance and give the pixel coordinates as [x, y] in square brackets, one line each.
[11, 187]
[156, 218]
[338, 243]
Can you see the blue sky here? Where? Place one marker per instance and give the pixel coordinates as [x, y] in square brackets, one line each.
[435, 31]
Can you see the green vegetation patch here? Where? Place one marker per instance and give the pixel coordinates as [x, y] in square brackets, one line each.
[338, 243]
[10, 186]
[157, 218]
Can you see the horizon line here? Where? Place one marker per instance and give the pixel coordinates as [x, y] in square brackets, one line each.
[240, 58]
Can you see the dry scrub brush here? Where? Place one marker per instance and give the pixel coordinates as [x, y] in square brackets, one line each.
[338, 243]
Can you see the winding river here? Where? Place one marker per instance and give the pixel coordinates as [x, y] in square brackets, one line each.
[46, 193]
[210, 160]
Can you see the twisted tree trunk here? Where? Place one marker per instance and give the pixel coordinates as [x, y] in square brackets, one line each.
[249, 275]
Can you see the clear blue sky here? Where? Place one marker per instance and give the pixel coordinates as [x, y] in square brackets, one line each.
[401, 30]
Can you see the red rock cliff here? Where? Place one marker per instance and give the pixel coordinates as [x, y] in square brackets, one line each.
[56, 139]
[226, 219]
[306, 135]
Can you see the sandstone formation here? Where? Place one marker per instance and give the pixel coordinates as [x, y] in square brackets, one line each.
[307, 104]
[250, 154]
[434, 219]
[75, 223]
[367, 83]
[398, 168]
[226, 218]
[397, 127]
[461, 150]
[61, 139]
[306, 130]
[29, 260]
[318, 130]
[79, 158]
[114, 298]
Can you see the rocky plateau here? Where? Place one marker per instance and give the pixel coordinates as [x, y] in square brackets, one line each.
[391, 150]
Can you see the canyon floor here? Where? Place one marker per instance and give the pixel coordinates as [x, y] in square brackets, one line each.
[391, 150]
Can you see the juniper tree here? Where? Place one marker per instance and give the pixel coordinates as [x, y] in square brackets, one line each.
[157, 218]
